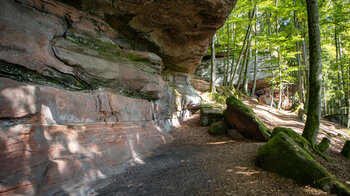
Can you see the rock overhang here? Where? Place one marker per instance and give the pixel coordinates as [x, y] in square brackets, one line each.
[178, 31]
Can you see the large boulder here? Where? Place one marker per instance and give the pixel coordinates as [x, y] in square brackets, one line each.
[289, 154]
[210, 113]
[242, 118]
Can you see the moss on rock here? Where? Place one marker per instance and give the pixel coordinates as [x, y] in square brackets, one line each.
[48, 77]
[285, 154]
[324, 144]
[210, 113]
[300, 140]
[333, 185]
[218, 128]
[242, 118]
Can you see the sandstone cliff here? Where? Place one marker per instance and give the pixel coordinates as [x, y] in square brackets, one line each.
[88, 88]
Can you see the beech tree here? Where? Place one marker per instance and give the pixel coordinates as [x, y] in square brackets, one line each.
[283, 42]
[315, 77]
[213, 67]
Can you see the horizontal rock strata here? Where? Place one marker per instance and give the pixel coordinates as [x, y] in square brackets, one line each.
[87, 88]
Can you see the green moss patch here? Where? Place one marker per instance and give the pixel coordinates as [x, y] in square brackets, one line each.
[288, 154]
[285, 156]
[218, 128]
[300, 140]
[48, 77]
[210, 113]
[324, 145]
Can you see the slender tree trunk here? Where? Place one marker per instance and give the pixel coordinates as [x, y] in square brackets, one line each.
[272, 97]
[315, 79]
[279, 62]
[225, 71]
[270, 57]
[212, 78]
[242, 68]
[300, 75]
[343, 80]
[256, 57]
[233, 56]
[228, 51]
[306, 94]
[324, 97]
[340, 87]
[247, 70]
[348, 97]
[243, 46]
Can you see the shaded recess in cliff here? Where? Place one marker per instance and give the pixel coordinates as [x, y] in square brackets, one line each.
[178, 31]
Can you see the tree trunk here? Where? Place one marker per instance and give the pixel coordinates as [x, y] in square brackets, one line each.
[243, 46]
[324, 97]
[340, 87]
[256, 58]
[247, 70]
[306, 94]
[233, 56]
[242, 68]
[279, 63]
[228, 51]
[225, 71]
[272, 97]
[343, 79]
[348, 97]
[315, 79]
[212, 78]
[300, 75]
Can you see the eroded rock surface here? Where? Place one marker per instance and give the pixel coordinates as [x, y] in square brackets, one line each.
[87, 92]
[178, 31]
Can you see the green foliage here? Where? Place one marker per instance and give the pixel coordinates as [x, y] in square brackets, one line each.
[290, 19]
[218, 98]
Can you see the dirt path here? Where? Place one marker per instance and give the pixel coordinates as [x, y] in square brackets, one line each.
[272, 118]
[196, 163]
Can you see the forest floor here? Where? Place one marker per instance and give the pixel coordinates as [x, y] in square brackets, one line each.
[196, 163]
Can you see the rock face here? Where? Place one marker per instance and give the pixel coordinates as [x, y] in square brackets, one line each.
[54, 138]
[242, 118]
[200, 85]
[203, 71]
[262, 91]
[178, 31]
[85, 94]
